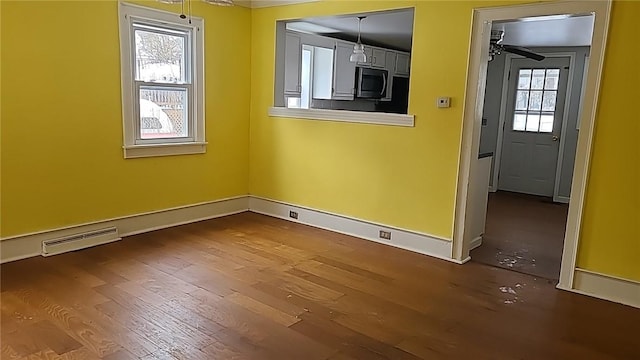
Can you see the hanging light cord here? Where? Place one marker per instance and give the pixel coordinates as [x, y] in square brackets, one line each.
[182, 15]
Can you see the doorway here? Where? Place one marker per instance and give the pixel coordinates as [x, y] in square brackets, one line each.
[524, 228]
[535, 102]
[474, 103]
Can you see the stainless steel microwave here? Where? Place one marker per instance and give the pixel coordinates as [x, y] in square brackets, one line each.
[371, 83]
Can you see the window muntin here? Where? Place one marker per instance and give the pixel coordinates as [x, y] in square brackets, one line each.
[536, 98]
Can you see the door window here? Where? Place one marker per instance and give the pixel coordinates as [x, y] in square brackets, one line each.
[535, 104]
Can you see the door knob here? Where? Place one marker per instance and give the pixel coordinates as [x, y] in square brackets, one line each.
[554, 138]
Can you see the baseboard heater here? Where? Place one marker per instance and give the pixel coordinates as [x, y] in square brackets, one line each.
[79, 241]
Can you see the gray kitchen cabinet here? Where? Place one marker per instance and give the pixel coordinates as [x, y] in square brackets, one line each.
[378, 58]
[390, 66]
[293, 60]
[403, 62]
[344, 72]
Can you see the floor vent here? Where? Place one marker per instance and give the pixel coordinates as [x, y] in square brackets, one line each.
[79, 241]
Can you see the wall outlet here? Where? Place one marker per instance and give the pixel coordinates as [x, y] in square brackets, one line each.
[385, 235]
[293, 214]
[443, 102]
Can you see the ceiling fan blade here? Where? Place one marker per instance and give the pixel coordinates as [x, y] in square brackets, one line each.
[523, 52]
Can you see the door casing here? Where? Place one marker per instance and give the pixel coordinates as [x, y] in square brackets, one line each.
[472, 119]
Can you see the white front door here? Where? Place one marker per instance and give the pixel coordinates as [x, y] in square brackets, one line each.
[535, 106]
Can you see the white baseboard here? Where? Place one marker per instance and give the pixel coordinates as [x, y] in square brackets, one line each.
[607, 287]
[29, 245]
[404, 239]
[475, 243]
[586, 282]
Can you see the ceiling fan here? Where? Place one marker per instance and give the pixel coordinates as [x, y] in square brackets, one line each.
[496, 47]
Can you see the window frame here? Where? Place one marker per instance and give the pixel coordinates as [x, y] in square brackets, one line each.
[134, 146]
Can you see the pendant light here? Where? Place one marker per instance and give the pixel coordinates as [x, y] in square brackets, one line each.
[358, 49]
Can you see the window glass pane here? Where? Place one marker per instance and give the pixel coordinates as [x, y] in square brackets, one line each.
[518, 122]
[524, 78]
[549, 101]
[306, 79]
[159, 57]
[522, 100]
[322, 73]
[535, 100]
[537, 81]
[551, 82]
[163, 113]
[546, 123]
[533, 121]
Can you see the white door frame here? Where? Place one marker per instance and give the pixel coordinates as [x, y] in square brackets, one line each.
[565, 116]
[472, 118]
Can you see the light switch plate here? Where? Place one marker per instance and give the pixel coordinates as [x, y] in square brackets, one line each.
[444, 102]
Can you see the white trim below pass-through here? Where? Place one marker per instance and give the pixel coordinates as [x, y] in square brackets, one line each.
[365, 117]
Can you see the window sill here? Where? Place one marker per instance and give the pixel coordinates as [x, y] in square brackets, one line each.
[344, 116]
[169, 149]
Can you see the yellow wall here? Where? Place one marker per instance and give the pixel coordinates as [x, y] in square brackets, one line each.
[62, 161]
[406, 177]
[611, 230]
[62, 132]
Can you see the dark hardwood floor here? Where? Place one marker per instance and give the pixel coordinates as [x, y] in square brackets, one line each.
[523, 233]
[252, 287]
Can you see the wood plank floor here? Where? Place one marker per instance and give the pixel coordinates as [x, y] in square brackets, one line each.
[252, 287]
[524, 233]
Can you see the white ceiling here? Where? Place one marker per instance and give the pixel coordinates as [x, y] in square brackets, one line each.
[392, 29]
[558, 31]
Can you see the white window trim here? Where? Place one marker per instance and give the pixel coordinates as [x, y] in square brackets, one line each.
[195, 145]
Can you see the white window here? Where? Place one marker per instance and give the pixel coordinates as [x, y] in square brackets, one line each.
[162, 82]
[316, 76]
[536, 100]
